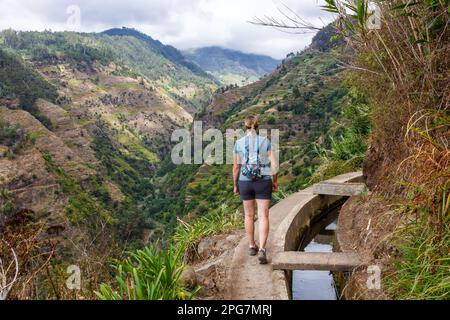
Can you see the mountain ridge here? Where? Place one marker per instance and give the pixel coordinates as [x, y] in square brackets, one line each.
[168, 51]
[232, 66]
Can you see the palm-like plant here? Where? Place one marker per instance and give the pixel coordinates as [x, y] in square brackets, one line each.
[148, 274]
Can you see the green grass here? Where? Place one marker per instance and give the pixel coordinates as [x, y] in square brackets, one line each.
[347, 144]
[331, 168]
[188, 235]
[136, 148]
[422, 270]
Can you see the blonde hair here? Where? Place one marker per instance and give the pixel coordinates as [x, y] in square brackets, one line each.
[251, 122]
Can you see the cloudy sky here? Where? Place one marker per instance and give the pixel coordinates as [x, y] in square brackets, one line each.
[181, 23]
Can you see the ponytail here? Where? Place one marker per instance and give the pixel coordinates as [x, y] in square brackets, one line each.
[251, 123]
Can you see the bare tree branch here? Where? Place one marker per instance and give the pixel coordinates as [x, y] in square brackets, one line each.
[6, 286]
[290, 22]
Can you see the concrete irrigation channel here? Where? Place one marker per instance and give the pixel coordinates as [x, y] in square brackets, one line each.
[294, 222]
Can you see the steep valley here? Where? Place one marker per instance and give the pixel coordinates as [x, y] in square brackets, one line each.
[83, 130]
[88, 186]
[86, 127]
[303, 98]
[85, 143]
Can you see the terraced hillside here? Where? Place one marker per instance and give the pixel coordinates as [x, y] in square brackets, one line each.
[85, 120]
[85, 128]
[301, 98]
[304, 98]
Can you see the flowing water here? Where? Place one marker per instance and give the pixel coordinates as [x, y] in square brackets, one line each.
[314, 285]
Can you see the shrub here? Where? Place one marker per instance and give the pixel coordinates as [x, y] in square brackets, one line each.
[350, 146]
[331, 168]
[296, 170]
[13, 137]
[271, 120]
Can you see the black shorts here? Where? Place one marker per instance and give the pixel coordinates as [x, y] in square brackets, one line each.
[251, 190]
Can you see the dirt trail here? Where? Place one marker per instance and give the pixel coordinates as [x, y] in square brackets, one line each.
[250, 280]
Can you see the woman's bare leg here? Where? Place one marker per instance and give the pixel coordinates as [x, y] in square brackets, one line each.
[249, 209]
[263, 220]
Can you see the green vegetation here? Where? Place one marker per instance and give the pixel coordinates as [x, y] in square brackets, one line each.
[232, 67]
[166, 51]
[81, 207]
[13, 138]
[401, 73]
[136, 56]
[154, 273]
[90, 205]
[217, 221]
[132, 175]
[148, 274]
[49, 45]
[396, 100]
[348, 145]
[19, 82]
[169, 198]
[422, 266]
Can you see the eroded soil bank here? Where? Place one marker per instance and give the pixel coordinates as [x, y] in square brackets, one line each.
[365, 225]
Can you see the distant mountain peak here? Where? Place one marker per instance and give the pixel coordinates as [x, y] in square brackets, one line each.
[232, 66]
[169, 52]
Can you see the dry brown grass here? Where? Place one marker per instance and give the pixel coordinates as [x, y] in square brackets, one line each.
[403, 69]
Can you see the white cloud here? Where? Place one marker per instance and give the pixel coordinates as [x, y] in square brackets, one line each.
[182, 23]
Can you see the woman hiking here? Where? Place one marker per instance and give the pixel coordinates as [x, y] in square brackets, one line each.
[255, 178]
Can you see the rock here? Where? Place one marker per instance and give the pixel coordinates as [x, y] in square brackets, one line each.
[208, 269]
[205, 248]
[225, 244]
[207, 285]
[206, 274]
[214, 246]
[189, 277]
[234, 238]
[206, 278]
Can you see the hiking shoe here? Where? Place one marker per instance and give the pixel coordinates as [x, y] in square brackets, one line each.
[262, 256]
[253, 251]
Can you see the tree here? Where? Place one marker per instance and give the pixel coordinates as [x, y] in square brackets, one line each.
[12, 39]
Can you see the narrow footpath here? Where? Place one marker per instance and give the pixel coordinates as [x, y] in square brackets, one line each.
[249, 280]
